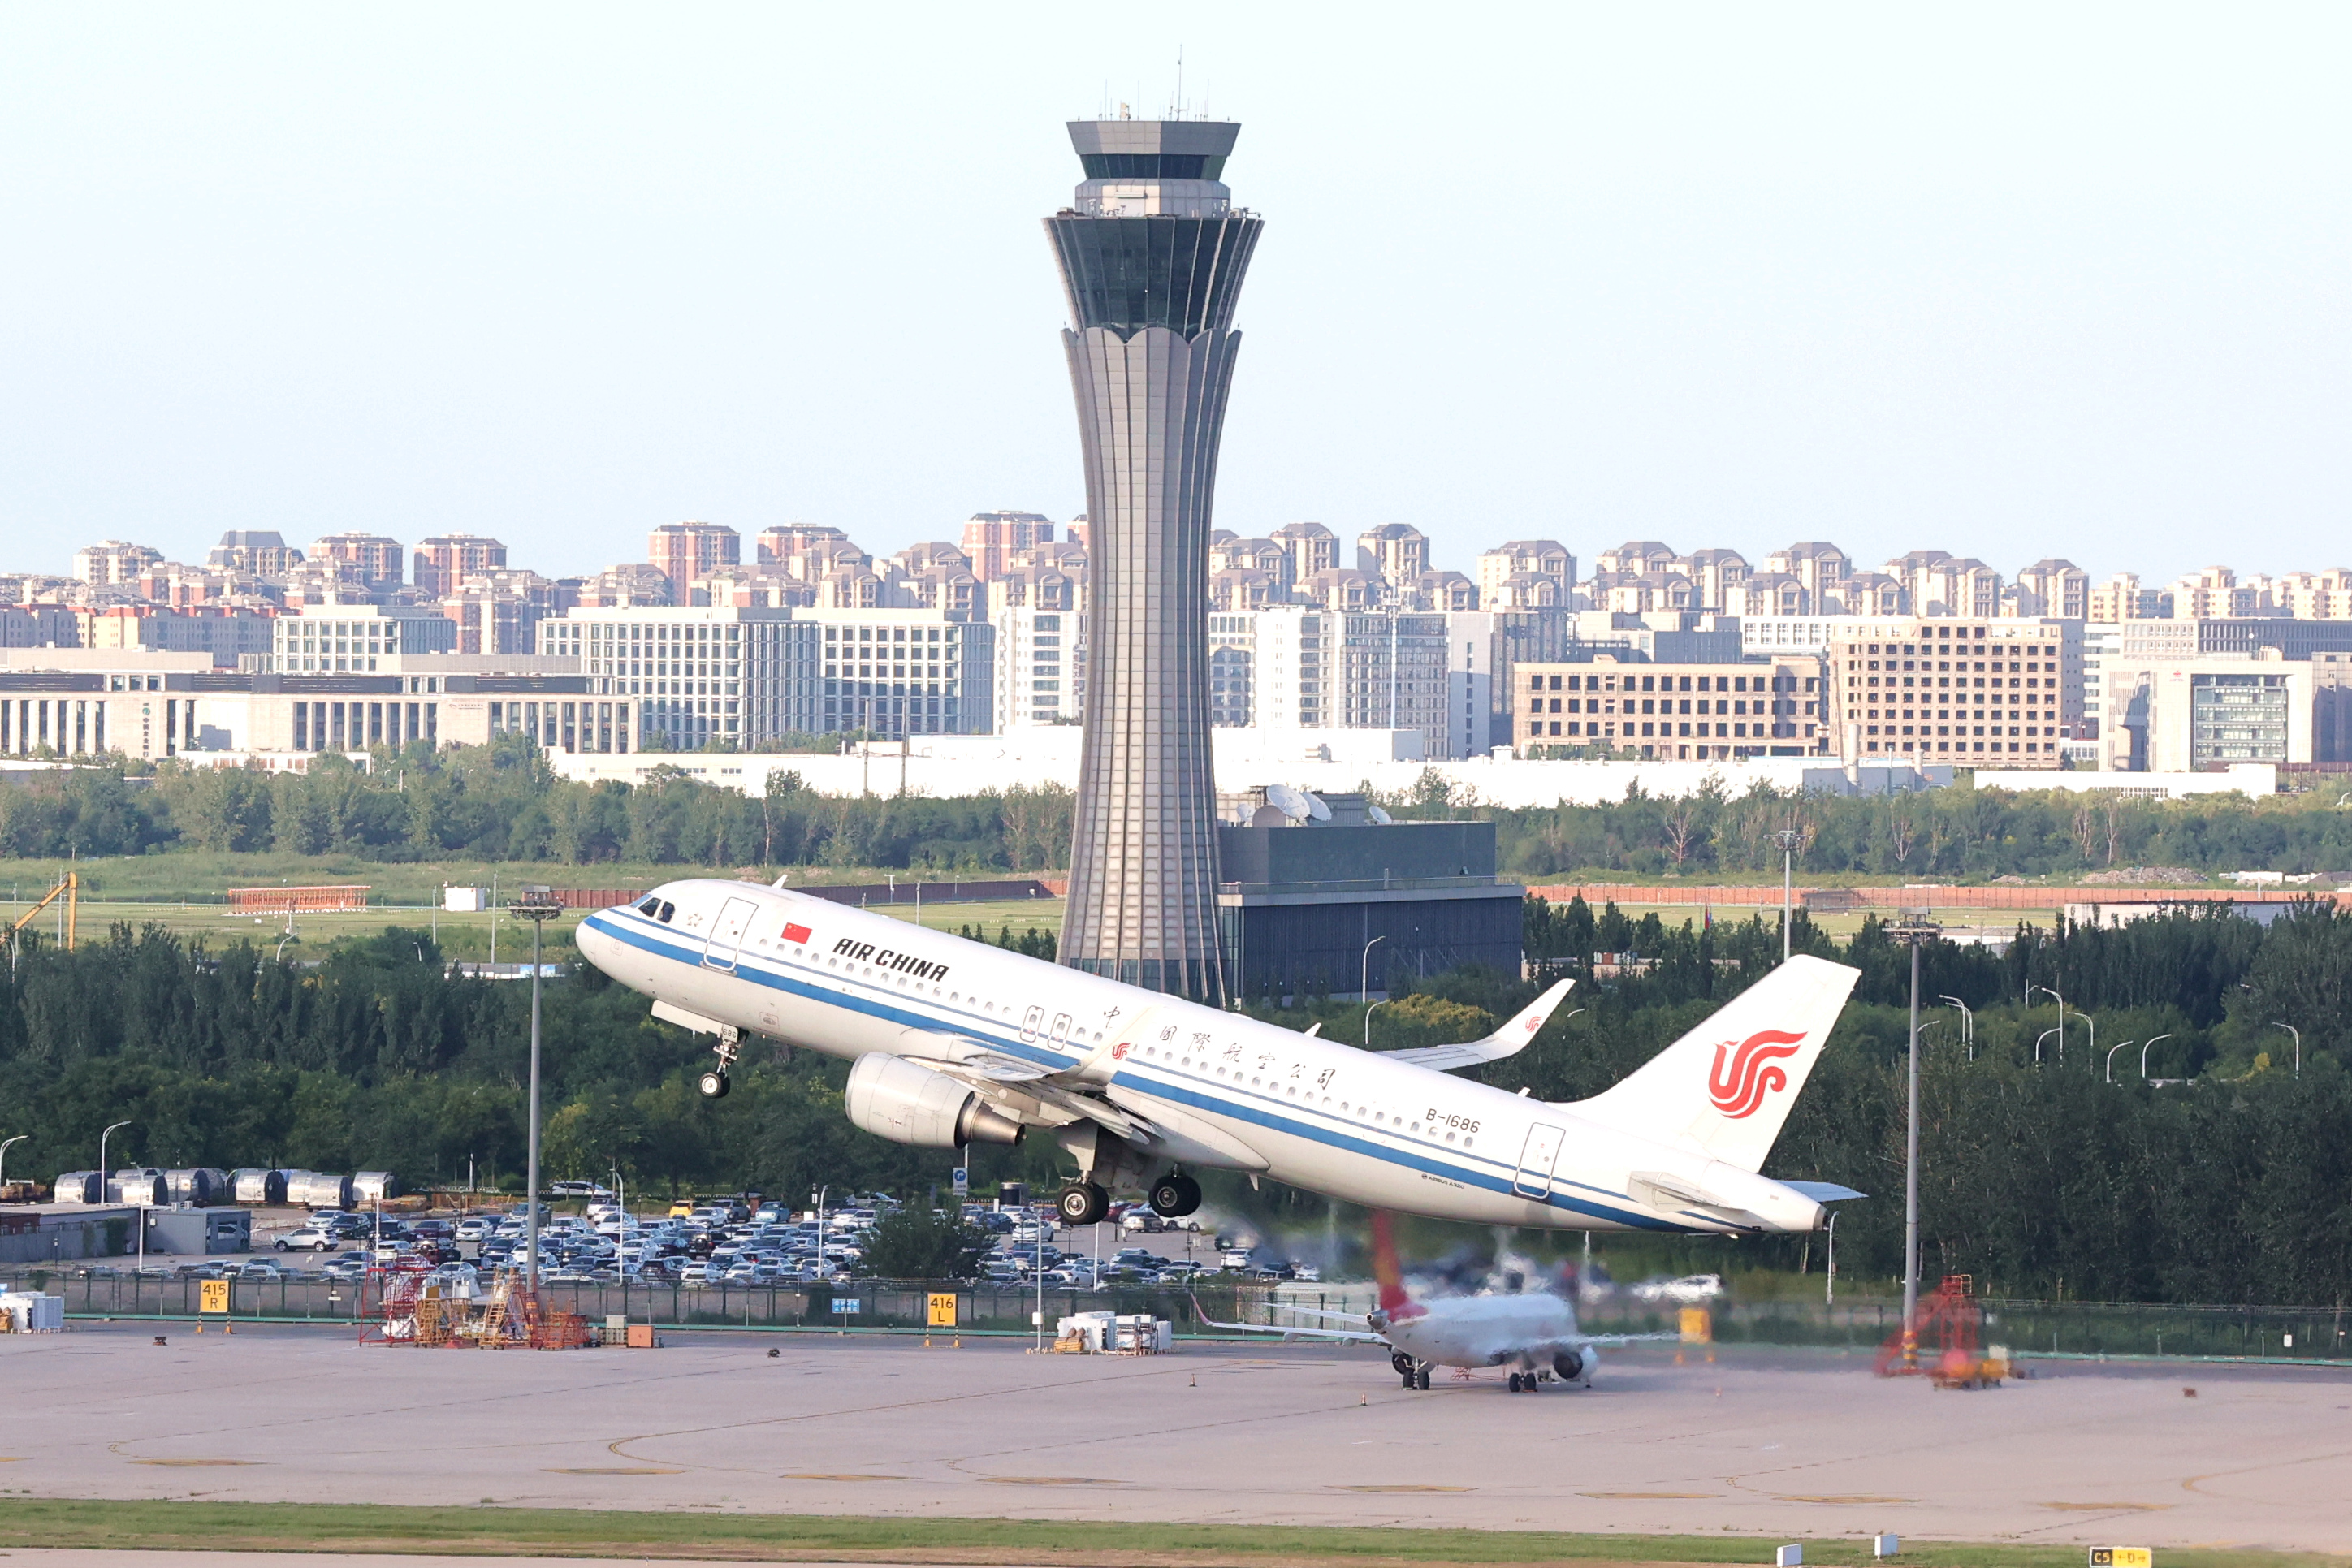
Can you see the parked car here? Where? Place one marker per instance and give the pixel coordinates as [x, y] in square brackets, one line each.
[1688, 1291]
[309, 1238]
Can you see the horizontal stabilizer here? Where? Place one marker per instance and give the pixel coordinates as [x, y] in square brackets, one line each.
[1823, 1191]
[1508, 1040]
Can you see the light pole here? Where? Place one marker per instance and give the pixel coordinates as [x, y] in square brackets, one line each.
[2143, 1057]
[2298, 1045]
[1968, 1024]
[2061, 1031]
[101, 1156]
[3, 1151]
[1913, 928]
[1829, 1289]
[1788, 839]
[1364, 981]
[2111, 1060]
[537, 906]
[2092, 1023]
[1368, 1021]
[2038, 1039]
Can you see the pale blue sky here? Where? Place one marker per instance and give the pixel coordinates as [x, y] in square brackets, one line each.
[2006, 281]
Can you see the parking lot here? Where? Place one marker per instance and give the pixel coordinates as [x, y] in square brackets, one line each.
[593, 1242]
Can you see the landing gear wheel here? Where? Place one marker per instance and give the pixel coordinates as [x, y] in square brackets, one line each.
[1421, 1378]
[1082, 1203]
[1408, 1381]
[713, 1084]
[1403, 1364]
[1175, 1195]
[1515, 1382]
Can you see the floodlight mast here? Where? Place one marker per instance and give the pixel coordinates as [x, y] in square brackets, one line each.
[1912, 926]
[538, 905]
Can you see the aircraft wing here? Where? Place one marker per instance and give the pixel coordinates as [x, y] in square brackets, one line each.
[1350, 1335]
[1507, 1041]
[968, 1058]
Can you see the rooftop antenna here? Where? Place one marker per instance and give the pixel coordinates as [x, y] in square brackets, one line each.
[1180, 83]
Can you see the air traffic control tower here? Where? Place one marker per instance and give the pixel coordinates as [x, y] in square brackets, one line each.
[1152, 254]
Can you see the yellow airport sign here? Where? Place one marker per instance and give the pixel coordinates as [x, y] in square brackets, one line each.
[2122, 1557]
[942, 1309]
[211, 1297]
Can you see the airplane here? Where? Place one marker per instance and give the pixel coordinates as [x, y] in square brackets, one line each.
[1533, 1333]
[954, 1042]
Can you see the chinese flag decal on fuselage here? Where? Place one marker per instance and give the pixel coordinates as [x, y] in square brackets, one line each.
[1738, 1087]
[796, 933]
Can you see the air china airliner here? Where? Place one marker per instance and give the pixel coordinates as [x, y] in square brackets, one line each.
[955, 1042]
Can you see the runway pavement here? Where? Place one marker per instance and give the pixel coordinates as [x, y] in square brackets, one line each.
[1787, 1443]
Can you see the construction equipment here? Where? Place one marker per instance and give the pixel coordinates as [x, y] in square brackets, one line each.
[1944, 1345]
[70, 887]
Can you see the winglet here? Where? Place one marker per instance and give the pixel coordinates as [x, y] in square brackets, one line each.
[1508, 1040]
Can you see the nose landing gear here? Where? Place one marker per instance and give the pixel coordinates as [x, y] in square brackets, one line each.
[714, 1084]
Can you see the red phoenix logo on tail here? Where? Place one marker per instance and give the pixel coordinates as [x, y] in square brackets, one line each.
[1739, 1086]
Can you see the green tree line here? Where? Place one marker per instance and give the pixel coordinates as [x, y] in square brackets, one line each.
[503, 802]
[2224, 1177]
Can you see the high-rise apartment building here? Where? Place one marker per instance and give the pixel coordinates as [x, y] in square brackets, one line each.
[992, 538]
[684, 551]
[1682, 712]
[445, 561]
[381, 562]
[256, 552]
[111, 561]
[1152, 256]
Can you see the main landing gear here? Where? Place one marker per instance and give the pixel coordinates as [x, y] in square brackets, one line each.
[1174, 1195]
[1414, 1373]
[1082, 1203]
[714, 1084]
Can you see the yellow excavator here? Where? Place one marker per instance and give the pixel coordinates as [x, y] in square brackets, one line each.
[69, 887]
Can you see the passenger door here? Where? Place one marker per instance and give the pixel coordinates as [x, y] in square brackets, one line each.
[1536, 1160]
[726, 941]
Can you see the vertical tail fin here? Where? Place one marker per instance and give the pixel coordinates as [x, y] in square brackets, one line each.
[1385, 1271]
[1727, 1087]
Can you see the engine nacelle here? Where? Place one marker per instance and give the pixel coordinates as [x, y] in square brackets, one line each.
[907, 1102]
[1573, 1366]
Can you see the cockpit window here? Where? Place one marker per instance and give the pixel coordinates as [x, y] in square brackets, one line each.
[668, 909]
[650, 906]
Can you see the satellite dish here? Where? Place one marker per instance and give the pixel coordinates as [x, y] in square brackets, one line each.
[1292, 803]
[1317, 809]
[1382, 817]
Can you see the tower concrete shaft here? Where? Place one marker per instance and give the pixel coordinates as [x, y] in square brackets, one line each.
[1152, 256]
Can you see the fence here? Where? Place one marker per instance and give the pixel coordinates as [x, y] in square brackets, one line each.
[1938, 897]
[2316, 1334]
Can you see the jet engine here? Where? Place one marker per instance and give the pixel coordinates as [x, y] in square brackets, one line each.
[1572, 1364]
[906, 1102]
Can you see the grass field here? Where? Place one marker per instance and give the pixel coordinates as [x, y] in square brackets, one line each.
[580, 1532]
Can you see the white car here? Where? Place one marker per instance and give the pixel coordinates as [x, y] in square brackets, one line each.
[309, 1238]
[1688, 1291]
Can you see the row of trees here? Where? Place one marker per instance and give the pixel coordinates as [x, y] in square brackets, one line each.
[2231, 1182]
[503, 802]
[1960, 832]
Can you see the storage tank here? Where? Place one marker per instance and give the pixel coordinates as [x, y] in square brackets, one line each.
[318, 1189]
[192, 1185]
[258, 1187]
[369, 1186]
[146, 1188]
[79, 1187]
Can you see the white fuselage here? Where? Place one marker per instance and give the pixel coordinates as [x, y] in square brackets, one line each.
[1216, 1088]
[1486, 1331]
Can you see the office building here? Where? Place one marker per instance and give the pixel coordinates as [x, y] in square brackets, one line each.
[1152, 256]
[1040, 666]
[1949, 689]
[1607, 704]
[352, 638]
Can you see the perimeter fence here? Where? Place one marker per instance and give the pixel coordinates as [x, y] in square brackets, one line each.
[2316, 1334]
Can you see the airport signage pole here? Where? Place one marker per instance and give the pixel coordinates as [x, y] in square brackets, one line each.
[537, 906]
[1913, 928]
